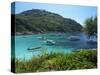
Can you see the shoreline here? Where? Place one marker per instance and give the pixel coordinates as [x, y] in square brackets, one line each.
[31, 33]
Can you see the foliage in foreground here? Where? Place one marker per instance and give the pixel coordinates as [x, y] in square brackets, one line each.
[82, 59]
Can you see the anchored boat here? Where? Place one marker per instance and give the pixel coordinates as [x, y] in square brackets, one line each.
[74, 38]
[34, 48]
[51, 42]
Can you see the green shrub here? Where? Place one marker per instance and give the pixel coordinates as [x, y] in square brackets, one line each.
[80, 59]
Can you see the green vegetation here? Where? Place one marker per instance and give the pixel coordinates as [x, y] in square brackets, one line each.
[38, 21]
[91, 26]
[80, 59]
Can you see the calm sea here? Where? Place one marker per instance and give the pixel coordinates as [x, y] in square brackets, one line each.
[62, 44]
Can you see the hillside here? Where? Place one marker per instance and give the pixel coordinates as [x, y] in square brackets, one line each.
[39, 21]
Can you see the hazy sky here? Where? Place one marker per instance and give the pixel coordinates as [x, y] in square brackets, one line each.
[78, 13]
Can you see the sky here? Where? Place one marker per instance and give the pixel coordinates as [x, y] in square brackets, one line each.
[76, 12]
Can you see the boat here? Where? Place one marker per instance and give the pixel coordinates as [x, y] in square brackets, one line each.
[74, 38]
[41, 38]
[34, 48]
[91, 41]
[50, 42]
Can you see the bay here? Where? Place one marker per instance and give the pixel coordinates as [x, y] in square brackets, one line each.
[62, 44]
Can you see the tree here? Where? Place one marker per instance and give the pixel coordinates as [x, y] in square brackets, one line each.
[91, 26]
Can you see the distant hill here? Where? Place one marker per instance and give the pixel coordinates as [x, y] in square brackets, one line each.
[39, 21]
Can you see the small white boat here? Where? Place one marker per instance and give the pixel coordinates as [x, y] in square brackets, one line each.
[91, 41]
[41, 38]
[74, 38]
[51, 42]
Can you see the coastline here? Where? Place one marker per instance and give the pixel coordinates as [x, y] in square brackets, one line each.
[31, 33]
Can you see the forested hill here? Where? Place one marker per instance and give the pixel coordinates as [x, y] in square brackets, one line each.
[38, 21]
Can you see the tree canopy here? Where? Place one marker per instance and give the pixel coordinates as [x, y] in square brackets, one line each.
[90, 26]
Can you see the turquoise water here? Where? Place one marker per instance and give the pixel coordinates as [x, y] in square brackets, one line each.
[63, 44]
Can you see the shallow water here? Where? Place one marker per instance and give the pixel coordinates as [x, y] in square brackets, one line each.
[63, 44]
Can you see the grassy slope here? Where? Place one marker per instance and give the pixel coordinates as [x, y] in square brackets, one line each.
[83, 59]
